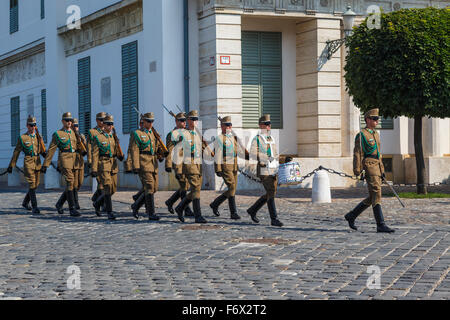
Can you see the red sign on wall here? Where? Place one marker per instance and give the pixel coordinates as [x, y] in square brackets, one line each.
[225, 59]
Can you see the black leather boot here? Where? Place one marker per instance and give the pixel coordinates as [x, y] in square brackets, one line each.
[96, 195]
[198, 212]
[381, 226]
[181, 207]
[352, 215]
[150, 207]
[60, 203]
[173, 198]
[138, 195]
[71, 200]
[216, 203]
[108, 207]
[75, 196]
[33, 200]
[26, 201]
[233, 209]
[273, 213]
[137, 205]
[98, 204]
[187, 211]
[255, 207]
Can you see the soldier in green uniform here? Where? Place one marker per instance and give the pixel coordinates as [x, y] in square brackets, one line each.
[144, 154]
[174, 162]
[139, 198]
[264, 152]
[91, 136]
[79, 166]
[226, 152]
[66, 141]
[192, 168]
[104, 165]
[28, 144]
[367, 157]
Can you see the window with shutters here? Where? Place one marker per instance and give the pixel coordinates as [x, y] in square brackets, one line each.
[13, 16]
[84, 94]
[42, 9]
[383, 123]
[15, 120]
[129, 87]
[44, 114]
[261, 78]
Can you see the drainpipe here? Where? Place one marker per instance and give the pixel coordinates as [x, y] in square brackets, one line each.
[186, 54]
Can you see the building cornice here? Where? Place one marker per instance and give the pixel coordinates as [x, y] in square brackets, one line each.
[23, 52]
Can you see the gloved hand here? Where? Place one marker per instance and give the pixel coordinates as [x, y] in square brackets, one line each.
[44, 169]
[136, 171]
[168, 169]
[58, 169]
[94, 174]
[383, 176]
[128, 171]
[10, 169]
[84, 153]
[219, 173]
[120, 158]
[44, 154]
[178, 176]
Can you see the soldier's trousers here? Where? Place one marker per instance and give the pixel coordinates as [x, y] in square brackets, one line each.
[270, 184]
[183, 182]
[69, 176]
[78, 178]
[195, 186]
[374, 187]
[230, 179]
[32, 177]
[149, 181]
[108, 181]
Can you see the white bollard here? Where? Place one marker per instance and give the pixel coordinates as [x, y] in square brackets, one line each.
[14, 178]
[94, 185]
[321, 188]
[52, 178]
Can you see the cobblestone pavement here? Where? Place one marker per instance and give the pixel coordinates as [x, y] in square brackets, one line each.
[314, 256]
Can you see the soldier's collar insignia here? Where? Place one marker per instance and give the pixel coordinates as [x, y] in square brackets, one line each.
[104, 142]
[63, 138]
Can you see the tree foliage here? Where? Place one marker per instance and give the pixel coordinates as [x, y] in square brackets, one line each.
[403, 67]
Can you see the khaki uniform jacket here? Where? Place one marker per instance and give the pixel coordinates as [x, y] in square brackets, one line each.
[79, 159]
[66, 142]
[192, 161]
[175, 159]
[226, 150]
[262, 149]
[361, 161]
[30, 146]
[128, 166]
[92, 134]
[144, 150]
[104, 154]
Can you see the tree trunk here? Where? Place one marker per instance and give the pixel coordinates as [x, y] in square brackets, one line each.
[420, 161]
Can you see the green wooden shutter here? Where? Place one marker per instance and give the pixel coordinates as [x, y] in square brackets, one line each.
[15, 120]
[84, 94]
[13, 16]
[261, 78]
[129, 87]
[44, 114]
[384, 123]
[42, 9]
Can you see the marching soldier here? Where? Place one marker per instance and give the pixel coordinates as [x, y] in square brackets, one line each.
[29, 144]
[66, 141]
[139, 198]
[79, 166]
[144, 154]
[104, 164]
[192, 168]
[226, 153]
[174, 162]
[91, 140]
[264, 151]
[367, 157]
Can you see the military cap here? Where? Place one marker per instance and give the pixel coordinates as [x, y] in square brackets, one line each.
[181, 116]
[67, 116]
[226, 120]
[371, 113]
[264, 118]
[108, 119]
[31, 119]
[192, 114]
[75, 121]
[149, 116]
[101, 116]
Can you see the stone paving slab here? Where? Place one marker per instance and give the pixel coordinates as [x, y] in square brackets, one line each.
[314, 256]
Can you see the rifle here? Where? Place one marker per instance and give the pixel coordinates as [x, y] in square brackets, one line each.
[80, 142]
[158, 137]
[119, 149]
[41, 143]
[205, 145]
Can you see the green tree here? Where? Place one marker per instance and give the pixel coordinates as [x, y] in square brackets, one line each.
[403, 69]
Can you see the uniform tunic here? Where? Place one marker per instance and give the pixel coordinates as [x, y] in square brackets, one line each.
[91, 135]
[79, 167]
[175, 158]
[366, 156]
[29, 145]
[104, 162]
[192, 163]
[226, 152]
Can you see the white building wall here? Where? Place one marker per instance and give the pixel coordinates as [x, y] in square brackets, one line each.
[88, 7]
